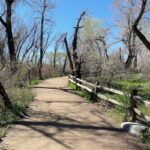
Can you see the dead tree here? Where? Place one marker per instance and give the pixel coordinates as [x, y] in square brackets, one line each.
[8, 26]
[65, 63]
[74, 61]
[77, 66]
[68, 54]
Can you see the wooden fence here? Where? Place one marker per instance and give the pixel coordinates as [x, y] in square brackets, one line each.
[134, 99]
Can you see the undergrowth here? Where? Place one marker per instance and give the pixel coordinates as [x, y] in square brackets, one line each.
[121, 114]
[34, 82]
[20, 99]
[83, 93]
[145, 138]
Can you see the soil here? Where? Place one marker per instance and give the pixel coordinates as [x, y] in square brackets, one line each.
[61, 120]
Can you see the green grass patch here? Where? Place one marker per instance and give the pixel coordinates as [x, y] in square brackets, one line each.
[119, 98]
[72, 86]
[125, 100]
[34, 82]
[126, 86]
[3, 131]
[119, 114]
[20, 99]
[144, 109]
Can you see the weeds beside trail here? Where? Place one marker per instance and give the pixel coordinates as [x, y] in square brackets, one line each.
[82, 93]
[117, 112]
[34, 82]
[20, 98]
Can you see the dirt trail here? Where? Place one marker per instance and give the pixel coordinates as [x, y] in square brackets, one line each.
[60, 120]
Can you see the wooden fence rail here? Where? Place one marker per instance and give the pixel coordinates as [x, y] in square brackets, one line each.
[96, 88]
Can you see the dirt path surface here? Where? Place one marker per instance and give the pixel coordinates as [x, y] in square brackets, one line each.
[60, 120]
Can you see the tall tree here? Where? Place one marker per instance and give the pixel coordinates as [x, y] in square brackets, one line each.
[141, 36]
[46, 6]
[126, 16]
[69, 54]
[93, 45]
[77, 64]
[74, 60]
[8, 26]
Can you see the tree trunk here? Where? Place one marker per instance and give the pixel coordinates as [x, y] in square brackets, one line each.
[77, 67]
[54, 61]
[5, 97]
[142, 37]
[65, 63]
[10, 38]
[41, 40]
[69, 55]
[135, 62]
[129, 61]
[132, 49]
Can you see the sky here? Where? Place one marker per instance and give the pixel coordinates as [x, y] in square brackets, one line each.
[66, 12]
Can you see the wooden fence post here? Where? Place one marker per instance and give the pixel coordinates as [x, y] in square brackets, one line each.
[94, 92]
[76, 81]
[96, 87]
[79, 88]
[133, 104]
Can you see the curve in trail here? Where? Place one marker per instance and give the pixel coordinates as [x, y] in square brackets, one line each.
[60, 120]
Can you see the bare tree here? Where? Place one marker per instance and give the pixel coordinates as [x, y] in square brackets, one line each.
[141, 36]
[25, 40]
[126, 11]
[8, 26]
[41, 38]
[77, 63]
[68, 54]
[74, 60]
[45, 7]
[65, 63]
